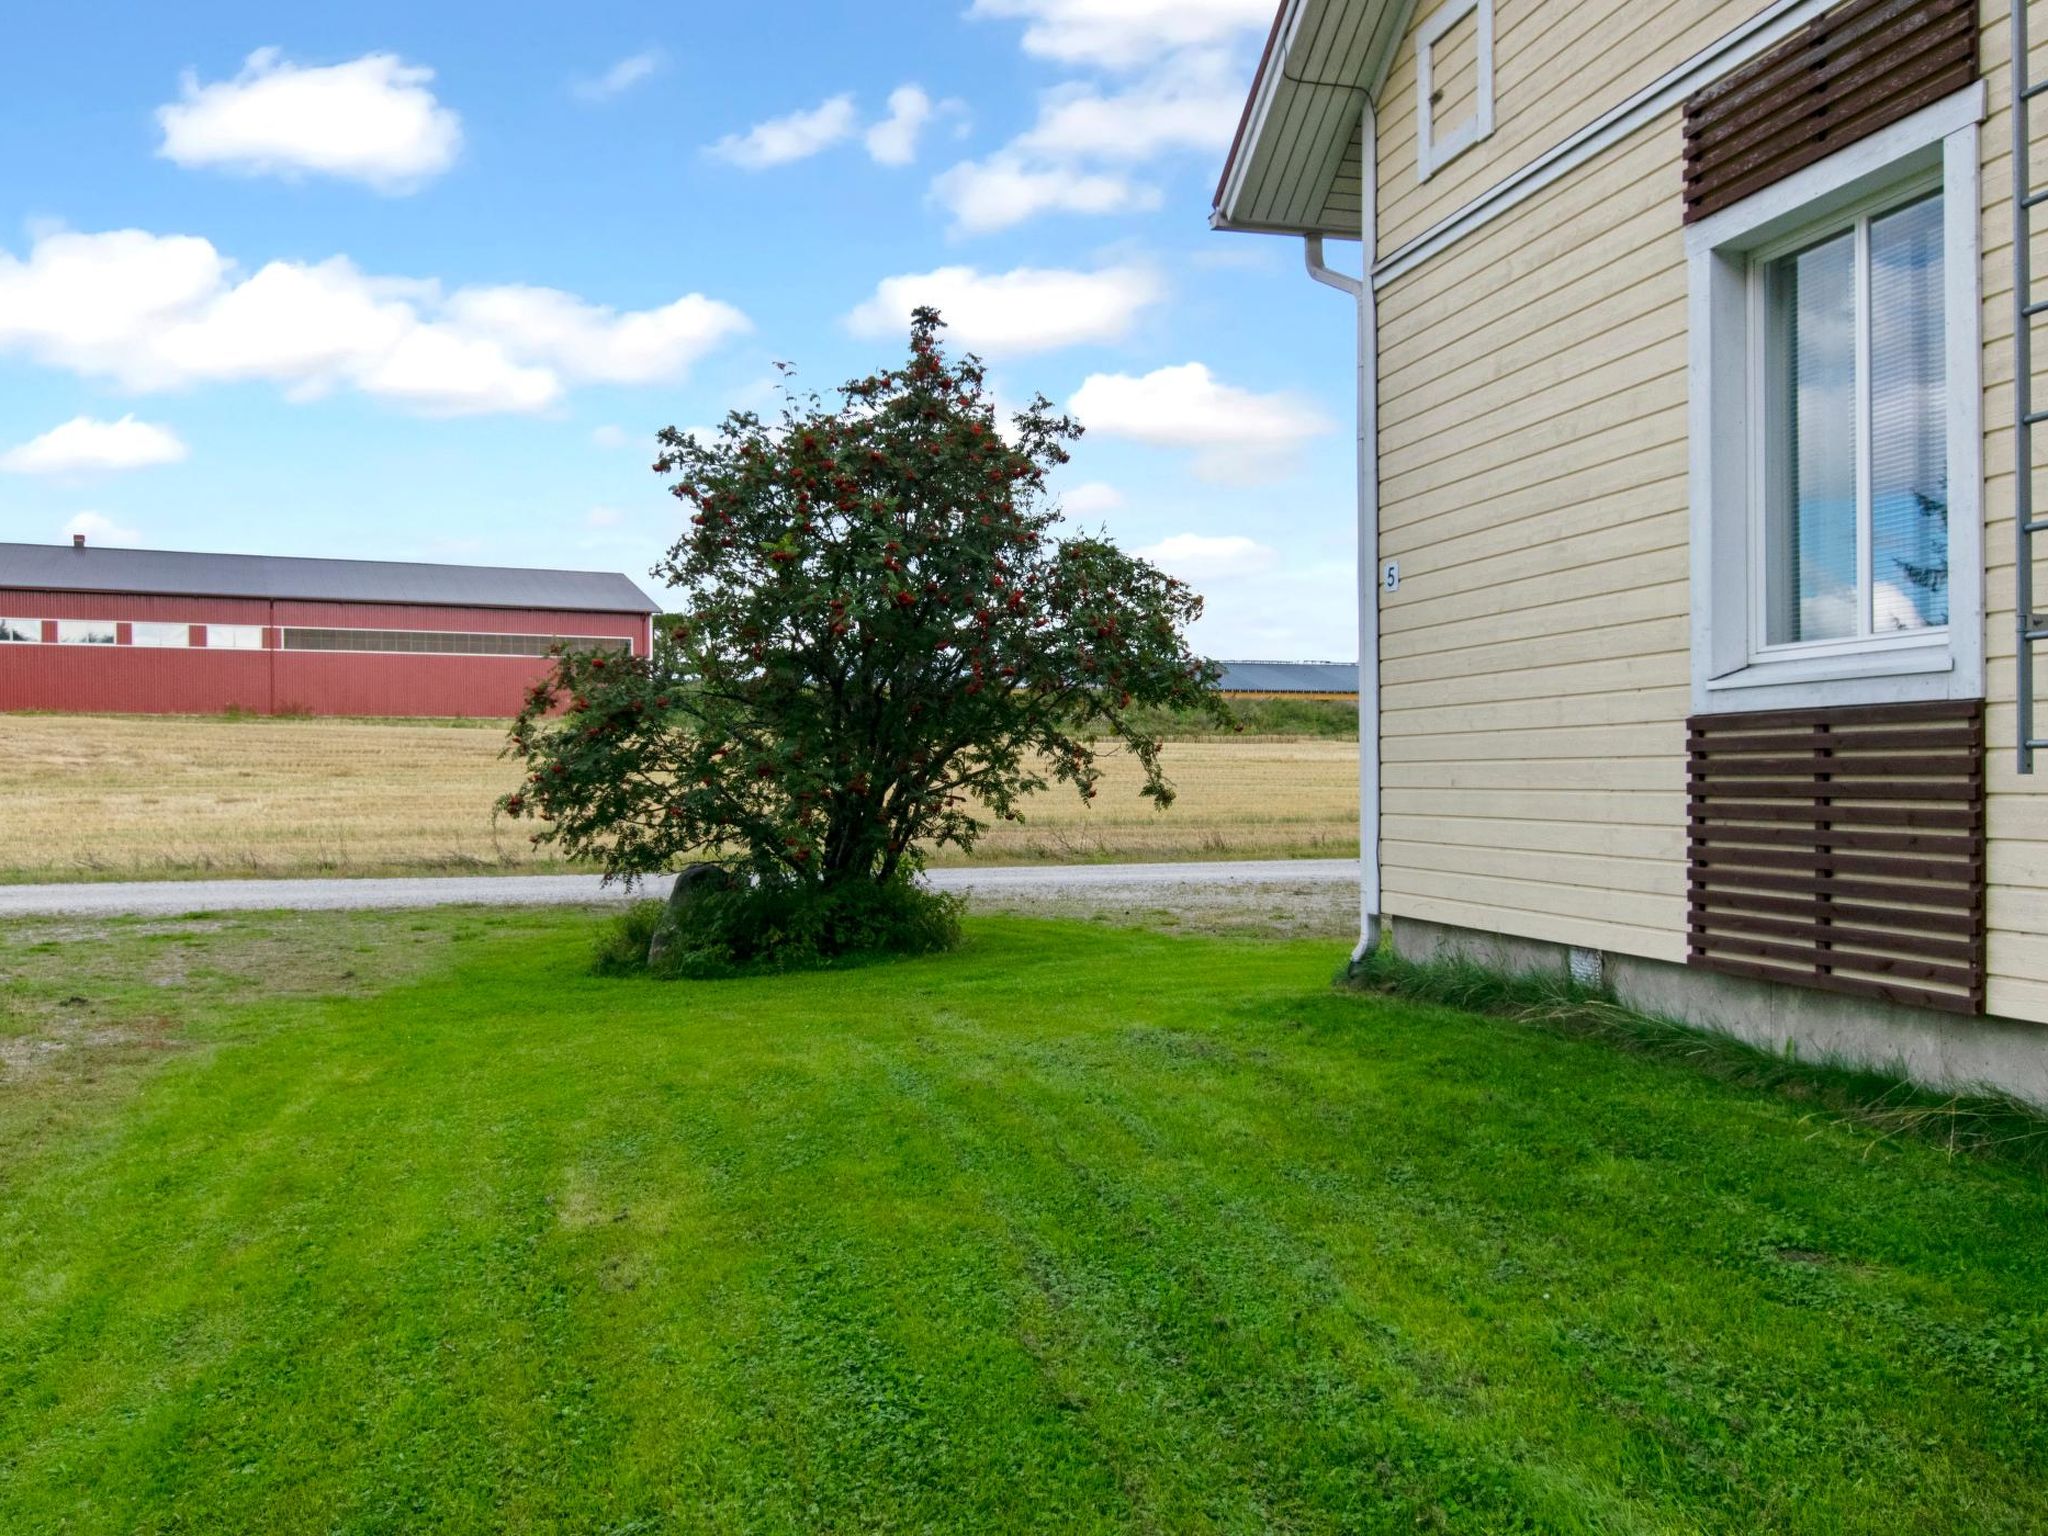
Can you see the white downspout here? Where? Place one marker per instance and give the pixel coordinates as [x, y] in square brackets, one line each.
[1360, 288]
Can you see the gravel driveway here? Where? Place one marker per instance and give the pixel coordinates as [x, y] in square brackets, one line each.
[1164, 886]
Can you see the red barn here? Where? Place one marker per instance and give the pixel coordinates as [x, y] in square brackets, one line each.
[136, 631]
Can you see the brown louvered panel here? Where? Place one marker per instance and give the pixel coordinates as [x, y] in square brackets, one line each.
[1842, 849]
[1846, 74]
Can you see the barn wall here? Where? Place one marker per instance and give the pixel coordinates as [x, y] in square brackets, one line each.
[130, 679]
[18, 602]
[482, 621]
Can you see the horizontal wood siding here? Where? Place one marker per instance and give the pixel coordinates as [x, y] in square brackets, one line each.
[1557, 65]
[1343, 207]
[2016, 809]
[1534, 490]
[1533, 487]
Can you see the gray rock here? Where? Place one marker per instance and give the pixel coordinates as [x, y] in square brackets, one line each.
[693, 882]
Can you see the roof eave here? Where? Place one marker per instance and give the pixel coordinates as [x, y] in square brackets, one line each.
[194, 574]
[1267, 78]
[1290, 82]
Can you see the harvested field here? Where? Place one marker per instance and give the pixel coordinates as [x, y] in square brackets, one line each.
[128, 797]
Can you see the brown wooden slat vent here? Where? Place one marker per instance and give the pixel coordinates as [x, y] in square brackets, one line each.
[1843, 76]
[1842, 849]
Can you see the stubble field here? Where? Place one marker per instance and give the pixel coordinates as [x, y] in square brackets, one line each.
[126, 797]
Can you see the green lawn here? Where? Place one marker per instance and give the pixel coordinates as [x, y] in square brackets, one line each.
[406, 1223]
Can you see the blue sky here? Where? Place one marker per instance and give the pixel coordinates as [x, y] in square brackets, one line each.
[422, 281]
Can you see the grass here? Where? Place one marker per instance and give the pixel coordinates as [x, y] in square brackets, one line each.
[400, 1222]
[1327, 719]
[129, 797]
[1985, 1124]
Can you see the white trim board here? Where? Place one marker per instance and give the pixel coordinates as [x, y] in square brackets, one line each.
[1432, 155]
[1762, 32]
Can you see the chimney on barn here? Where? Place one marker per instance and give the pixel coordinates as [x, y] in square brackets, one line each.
[78, 541]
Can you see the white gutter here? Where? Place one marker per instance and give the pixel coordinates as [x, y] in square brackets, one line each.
[1361, 290]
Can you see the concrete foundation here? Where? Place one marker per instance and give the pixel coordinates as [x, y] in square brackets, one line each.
[1936, 1050]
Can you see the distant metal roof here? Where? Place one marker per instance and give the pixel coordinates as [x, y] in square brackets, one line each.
[174, 573]
[1289, 677]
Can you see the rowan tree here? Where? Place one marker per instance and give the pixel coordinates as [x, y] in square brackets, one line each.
[883, 639]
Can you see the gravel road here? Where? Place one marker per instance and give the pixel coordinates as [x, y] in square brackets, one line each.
[1065, 882]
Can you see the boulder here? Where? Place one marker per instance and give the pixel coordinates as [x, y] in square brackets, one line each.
[693, 882]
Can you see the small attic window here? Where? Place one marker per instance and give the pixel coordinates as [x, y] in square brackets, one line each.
[1453, 83]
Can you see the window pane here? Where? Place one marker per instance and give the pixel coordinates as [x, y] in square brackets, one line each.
[1810, 444]
[85, 631]
[22, 631]
[434, 642]
[234, 637]
[162, 634]
[1908, 425]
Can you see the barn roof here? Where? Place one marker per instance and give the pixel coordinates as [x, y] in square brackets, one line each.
[177, 573]
[1289, 677]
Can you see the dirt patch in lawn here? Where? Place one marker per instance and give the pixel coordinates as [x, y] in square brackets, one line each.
[78, 996]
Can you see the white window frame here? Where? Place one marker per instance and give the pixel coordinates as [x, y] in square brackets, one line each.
[160, 635]
[1854, 221]
[33, 628]
[1432, 153]
[1935, 148]
[81, 631]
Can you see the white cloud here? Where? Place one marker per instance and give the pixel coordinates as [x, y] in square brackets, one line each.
[442, 372]
[1119, 34]
[797, 136]
[1028, 309]
[893, 140]
[592, 342]
[604, 517]
[83, 443]
[1298, 607]
[154, 312]
[1008, 188]
[1091, 498]
[610, 435]
[1190, 102]
[1237, 435]
[1198, 557]
[371, 120]
[1186, 96]
[620, 78]
[101, 529]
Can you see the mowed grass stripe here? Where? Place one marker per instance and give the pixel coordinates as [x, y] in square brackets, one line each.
[113, 797]
[1075, 1229]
